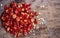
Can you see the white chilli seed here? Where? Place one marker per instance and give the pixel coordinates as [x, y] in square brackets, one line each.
[14, 16]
